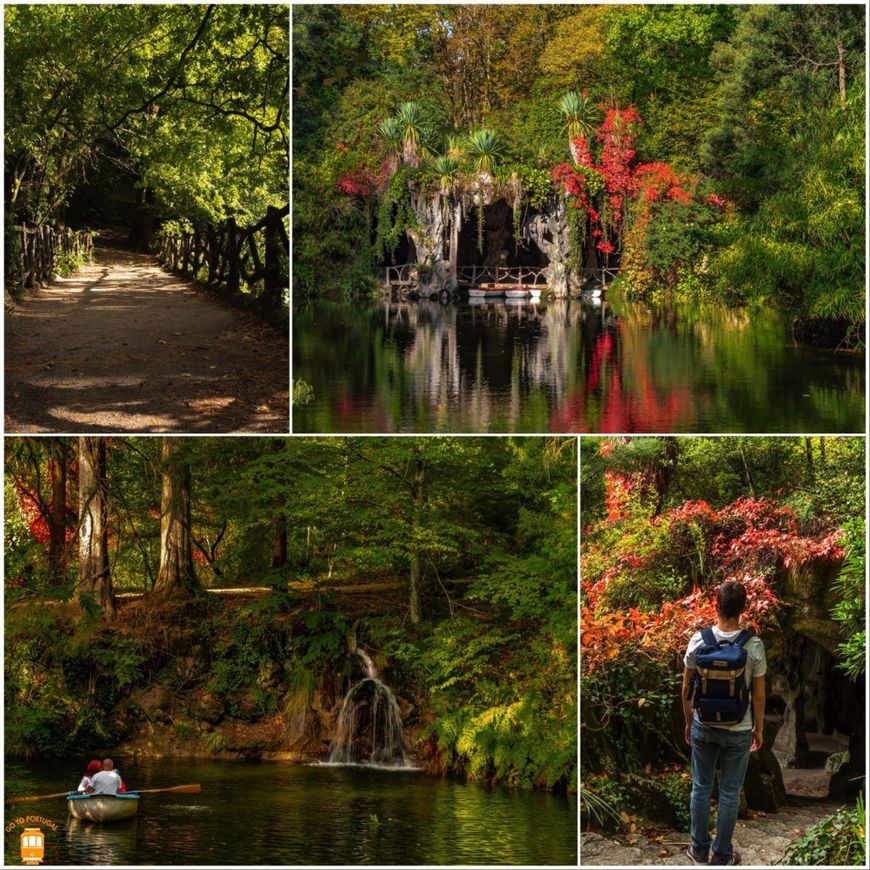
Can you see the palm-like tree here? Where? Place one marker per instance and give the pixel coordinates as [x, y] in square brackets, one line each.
[390, 132]
[485, 150]
[416, 133]
[447, 169]
[580, 117]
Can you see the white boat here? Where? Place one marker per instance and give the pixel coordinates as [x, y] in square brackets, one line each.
[103, 807]
[535, 292]
[592, 292]
[486, 292]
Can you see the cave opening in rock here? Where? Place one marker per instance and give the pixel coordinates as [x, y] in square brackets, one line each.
[500, 247]
[814, 721]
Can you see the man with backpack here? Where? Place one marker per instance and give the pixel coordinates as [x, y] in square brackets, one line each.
[723, 702]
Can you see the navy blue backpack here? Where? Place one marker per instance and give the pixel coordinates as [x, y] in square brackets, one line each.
[719, 690]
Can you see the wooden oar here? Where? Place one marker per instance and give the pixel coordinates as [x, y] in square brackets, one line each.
[37, 797]
[196, 788]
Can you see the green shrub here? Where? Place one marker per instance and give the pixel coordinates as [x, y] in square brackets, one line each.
[838, 840]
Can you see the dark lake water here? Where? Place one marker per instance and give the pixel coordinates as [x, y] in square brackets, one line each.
[273, 813]
[567, 367]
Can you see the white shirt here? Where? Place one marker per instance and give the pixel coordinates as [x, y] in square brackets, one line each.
[86, 781]
[106, 782]
[756, 666]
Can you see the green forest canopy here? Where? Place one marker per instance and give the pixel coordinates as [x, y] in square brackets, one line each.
[457, 556]
[192, 100]
[764, 102]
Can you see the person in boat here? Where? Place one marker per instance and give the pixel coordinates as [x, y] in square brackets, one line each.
[92, 768]
[107, 780]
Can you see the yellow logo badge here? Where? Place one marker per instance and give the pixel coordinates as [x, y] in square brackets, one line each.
[32, 846]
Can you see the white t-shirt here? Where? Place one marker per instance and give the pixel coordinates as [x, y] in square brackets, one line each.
[106, 782]
[86, 781]
[756, 666]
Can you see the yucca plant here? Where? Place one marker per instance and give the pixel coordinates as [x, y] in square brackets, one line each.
[485, 150]
[447, 169]
[415, 132]
[580, 117]
[390, 132]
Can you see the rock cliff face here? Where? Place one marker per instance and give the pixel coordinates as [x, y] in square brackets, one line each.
[549, 231]
[806, 691]
[446, 237]
[428, 237]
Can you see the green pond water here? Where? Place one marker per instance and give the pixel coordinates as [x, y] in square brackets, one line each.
[273, 813]
[566, 366]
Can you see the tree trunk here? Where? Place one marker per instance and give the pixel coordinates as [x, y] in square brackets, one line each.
[279, 542]
[176, 576]
[94, 576]
[841, 72]
[419, 494]
[57, 463]
[808, 450]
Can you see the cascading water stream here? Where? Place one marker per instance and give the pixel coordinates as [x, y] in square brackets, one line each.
[369, 726]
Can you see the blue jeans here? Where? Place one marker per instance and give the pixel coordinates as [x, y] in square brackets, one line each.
[732, 750]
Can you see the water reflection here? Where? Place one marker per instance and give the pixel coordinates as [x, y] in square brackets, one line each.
[594, 366]
[277, 814]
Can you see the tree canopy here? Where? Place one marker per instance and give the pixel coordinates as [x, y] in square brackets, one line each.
[192, 100]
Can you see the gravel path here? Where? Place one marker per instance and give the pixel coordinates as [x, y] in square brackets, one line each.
[761, 840]
[123, 346]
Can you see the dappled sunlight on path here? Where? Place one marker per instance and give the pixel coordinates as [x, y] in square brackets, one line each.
[124, 346]
[761, 840]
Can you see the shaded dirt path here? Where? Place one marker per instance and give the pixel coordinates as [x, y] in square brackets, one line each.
[761, 840]
[124, 346]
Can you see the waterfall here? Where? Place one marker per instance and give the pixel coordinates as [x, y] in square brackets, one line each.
[369, 727]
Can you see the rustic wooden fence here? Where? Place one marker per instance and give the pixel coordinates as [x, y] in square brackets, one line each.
[405, 276]
[232, 254]
[34, 261]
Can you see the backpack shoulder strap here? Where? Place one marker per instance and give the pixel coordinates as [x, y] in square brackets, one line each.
[708, 636]
[744, 636]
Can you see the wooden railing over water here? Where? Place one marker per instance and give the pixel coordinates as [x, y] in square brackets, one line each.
[231, 254]
[40, 247]
[405, 276]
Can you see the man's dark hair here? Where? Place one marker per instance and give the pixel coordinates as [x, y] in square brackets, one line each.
[731, 599]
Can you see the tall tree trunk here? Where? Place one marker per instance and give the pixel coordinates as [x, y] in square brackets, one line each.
[94, 575]
[279, 541]
[176, 576]
[419, 495]
[841, 72]
[57, 468]
[279, 521]
[808, 450]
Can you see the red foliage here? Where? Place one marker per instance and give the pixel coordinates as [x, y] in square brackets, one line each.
[751, 540]
[357, 182]
[645, 183]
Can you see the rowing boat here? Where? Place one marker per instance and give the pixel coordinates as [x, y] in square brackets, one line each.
[103, 807]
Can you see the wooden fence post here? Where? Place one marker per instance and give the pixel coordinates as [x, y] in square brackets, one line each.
[232, 255]
[272, 288]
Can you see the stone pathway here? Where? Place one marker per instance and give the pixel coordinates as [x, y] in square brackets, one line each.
[761, 840]
[124, 346]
